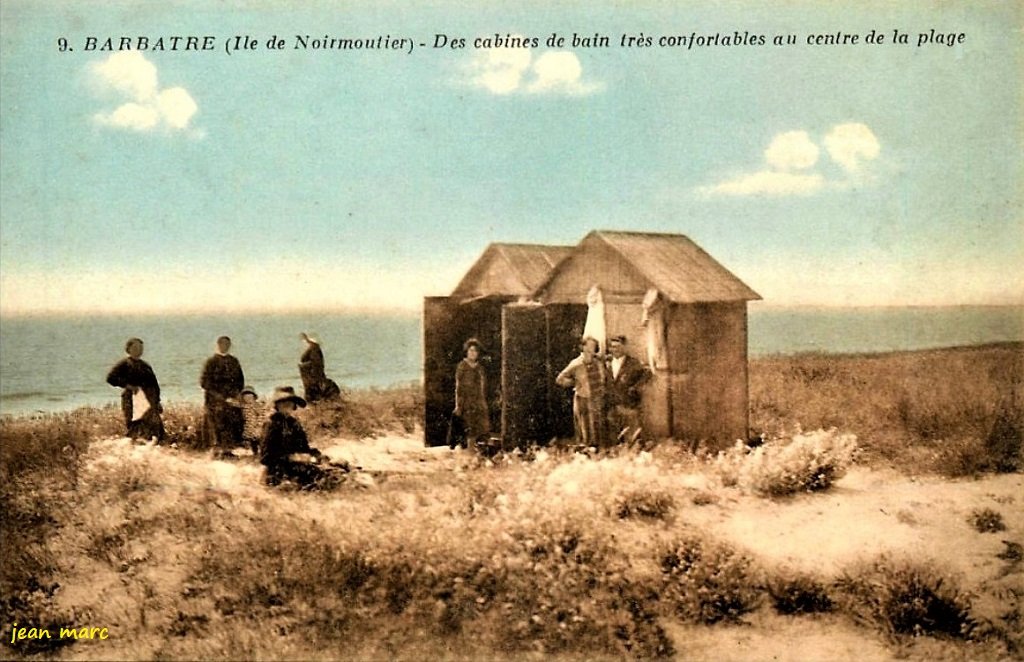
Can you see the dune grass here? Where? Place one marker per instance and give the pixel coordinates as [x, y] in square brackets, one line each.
[544, 553]
[955, 412]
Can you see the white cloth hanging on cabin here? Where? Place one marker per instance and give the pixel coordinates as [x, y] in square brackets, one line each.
[596, 326]
[653, 321]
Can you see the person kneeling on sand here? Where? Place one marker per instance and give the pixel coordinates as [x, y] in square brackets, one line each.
[285, 451]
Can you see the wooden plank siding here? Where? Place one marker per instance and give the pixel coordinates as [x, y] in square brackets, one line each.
[707, 346]
[594, 262]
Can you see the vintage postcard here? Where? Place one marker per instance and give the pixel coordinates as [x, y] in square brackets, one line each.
[450, 330]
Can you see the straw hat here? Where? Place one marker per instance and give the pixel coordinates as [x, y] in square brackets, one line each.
[287, 393]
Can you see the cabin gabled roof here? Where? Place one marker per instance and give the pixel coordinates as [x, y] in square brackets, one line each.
[513, 270]
[671, 263]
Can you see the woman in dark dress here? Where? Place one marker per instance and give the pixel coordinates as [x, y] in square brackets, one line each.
[222, 381]
[471, 394]
[314, 378]
[140, 395]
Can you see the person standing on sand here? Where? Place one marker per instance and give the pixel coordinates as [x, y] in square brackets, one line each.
[626, 377]
[254, 417]
[222, 380]
[471, 394]
[311, 369]
[140, 397]
[586, 374]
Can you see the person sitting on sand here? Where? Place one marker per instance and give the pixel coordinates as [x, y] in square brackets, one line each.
[140, 397]
[285, 450]
[254, 416]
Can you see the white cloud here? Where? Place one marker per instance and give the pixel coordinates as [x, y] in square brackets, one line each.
[792, 150]
[499, 70]
[128, 72]
[850, 144]
[768, 182]
[131, 116]
[559, 71]
[145, 106]
[515, 70]
[176, 106]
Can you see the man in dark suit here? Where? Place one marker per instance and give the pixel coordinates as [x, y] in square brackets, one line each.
[223, 381]
[624, 393]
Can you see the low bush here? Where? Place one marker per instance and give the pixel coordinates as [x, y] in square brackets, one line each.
[986, 520]
[907, 598]
[707, 582]
[368, 413]
[807, 463]
[644, 503]
[798, 594]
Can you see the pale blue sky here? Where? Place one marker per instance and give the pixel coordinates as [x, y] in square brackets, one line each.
[333, 178]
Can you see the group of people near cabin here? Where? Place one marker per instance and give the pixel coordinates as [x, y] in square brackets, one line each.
[607, 395]
[233, 415]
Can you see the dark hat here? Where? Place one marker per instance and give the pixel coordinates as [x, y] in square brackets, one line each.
[249, 389]
[284, 393]
[618, 339]
[473, 342]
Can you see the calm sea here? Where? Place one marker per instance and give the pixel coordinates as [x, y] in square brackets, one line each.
[53, 364]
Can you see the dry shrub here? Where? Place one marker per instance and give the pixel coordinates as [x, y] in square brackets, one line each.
[798, 594]
[986, 520]
[806, 463]
[907, 598]
[368, 413]
[644, 503]
[707, 582]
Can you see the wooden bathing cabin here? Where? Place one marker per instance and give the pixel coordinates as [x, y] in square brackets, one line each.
[683, 313]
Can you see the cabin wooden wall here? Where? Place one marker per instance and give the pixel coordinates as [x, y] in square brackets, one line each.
[439, 314]
[594, 263]
[565, 324]
[626, 319]
[525, 415]
[707, 346]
